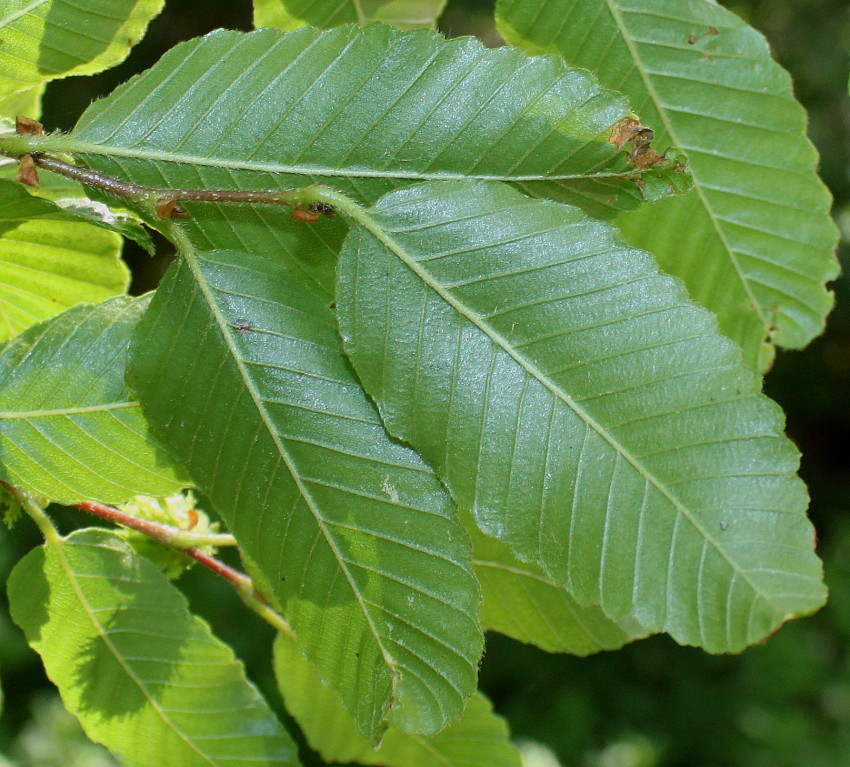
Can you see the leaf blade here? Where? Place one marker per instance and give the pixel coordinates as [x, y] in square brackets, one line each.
[291, 14]
[757, 224]
[385, 604]
[69, 430]
[113, 632]
[626, 416]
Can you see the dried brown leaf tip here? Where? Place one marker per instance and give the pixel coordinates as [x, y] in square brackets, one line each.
[27, 171]
[26, 126]
[630, 131]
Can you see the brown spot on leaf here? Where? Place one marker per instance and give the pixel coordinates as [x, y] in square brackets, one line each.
[623, 131]
[308, 215]
[27, 171]
[26, 126]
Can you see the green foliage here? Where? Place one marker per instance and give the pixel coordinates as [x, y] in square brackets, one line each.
[754, 242]
[443, 395]
[69, 430]
[129, 659]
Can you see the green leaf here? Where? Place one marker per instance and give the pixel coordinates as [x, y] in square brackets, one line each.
[754, 242]
[69, 430]
[145, 677]
[523, 602]
[478, 739]
[42, 40]
[27, 103]
[354, 533]
[585, 411]
[365, 110]
[50, 260]
[324, 14]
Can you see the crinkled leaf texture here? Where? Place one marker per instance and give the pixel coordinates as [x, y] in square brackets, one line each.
[478, 739]
[41, 40]
[144, 676]
[69, 430]
[586, 412]
[50, 260]
[363, 109]
[240, 371]
[754, 241]
[291, 14]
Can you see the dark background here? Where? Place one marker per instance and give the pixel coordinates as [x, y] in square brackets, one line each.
[786, 702]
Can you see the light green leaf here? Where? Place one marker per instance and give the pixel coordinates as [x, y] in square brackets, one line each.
[523, 602]
[324, 14]
[27, 103]
[754, 241]
[69, 430]
[364, 110]
[50, 260]
[585, 411]
[478, 739]
[145, 677]
[42, 40]
[354, 533]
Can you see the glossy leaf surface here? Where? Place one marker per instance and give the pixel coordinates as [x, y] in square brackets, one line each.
[41, 40]
[586, 412]
[364, 110]
[353, 532]
[50, 260]
[478, 739]
[144, 676]
[324, 14]
[754, 241]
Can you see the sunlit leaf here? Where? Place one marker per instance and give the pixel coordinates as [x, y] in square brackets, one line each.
[478, 739]
[41, 40]
[144, 676]
[50, 260]
[324, 14]
[355, 535]
[586, 412]
[69, 430]
[754, 241]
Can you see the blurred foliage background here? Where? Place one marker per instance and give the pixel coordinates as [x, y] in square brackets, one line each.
[653, 704]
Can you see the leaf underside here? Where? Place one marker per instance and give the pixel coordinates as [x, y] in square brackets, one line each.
[50, 260]
[478, 739]
[69, 430]
[582, 408]
[353, 532]
[324, 14]
[41, 40]
[754, 241]
[144, 676]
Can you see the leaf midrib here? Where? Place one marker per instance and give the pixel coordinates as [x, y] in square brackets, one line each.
[190, 255]
[75, 146]
[13, 415]
[364, 218]
[698, 189]
[15, 15]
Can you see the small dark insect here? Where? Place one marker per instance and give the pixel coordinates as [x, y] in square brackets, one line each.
[26, 126]
[724, 525]
[244, 327]
[27, 172]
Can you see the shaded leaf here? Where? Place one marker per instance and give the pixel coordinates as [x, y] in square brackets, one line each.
[585, 411]
[324, 14]
[42, 40]
[69, 430]
[145, 677]
[754, 242]
[478, 739]
[355, 535]
[50, 260]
